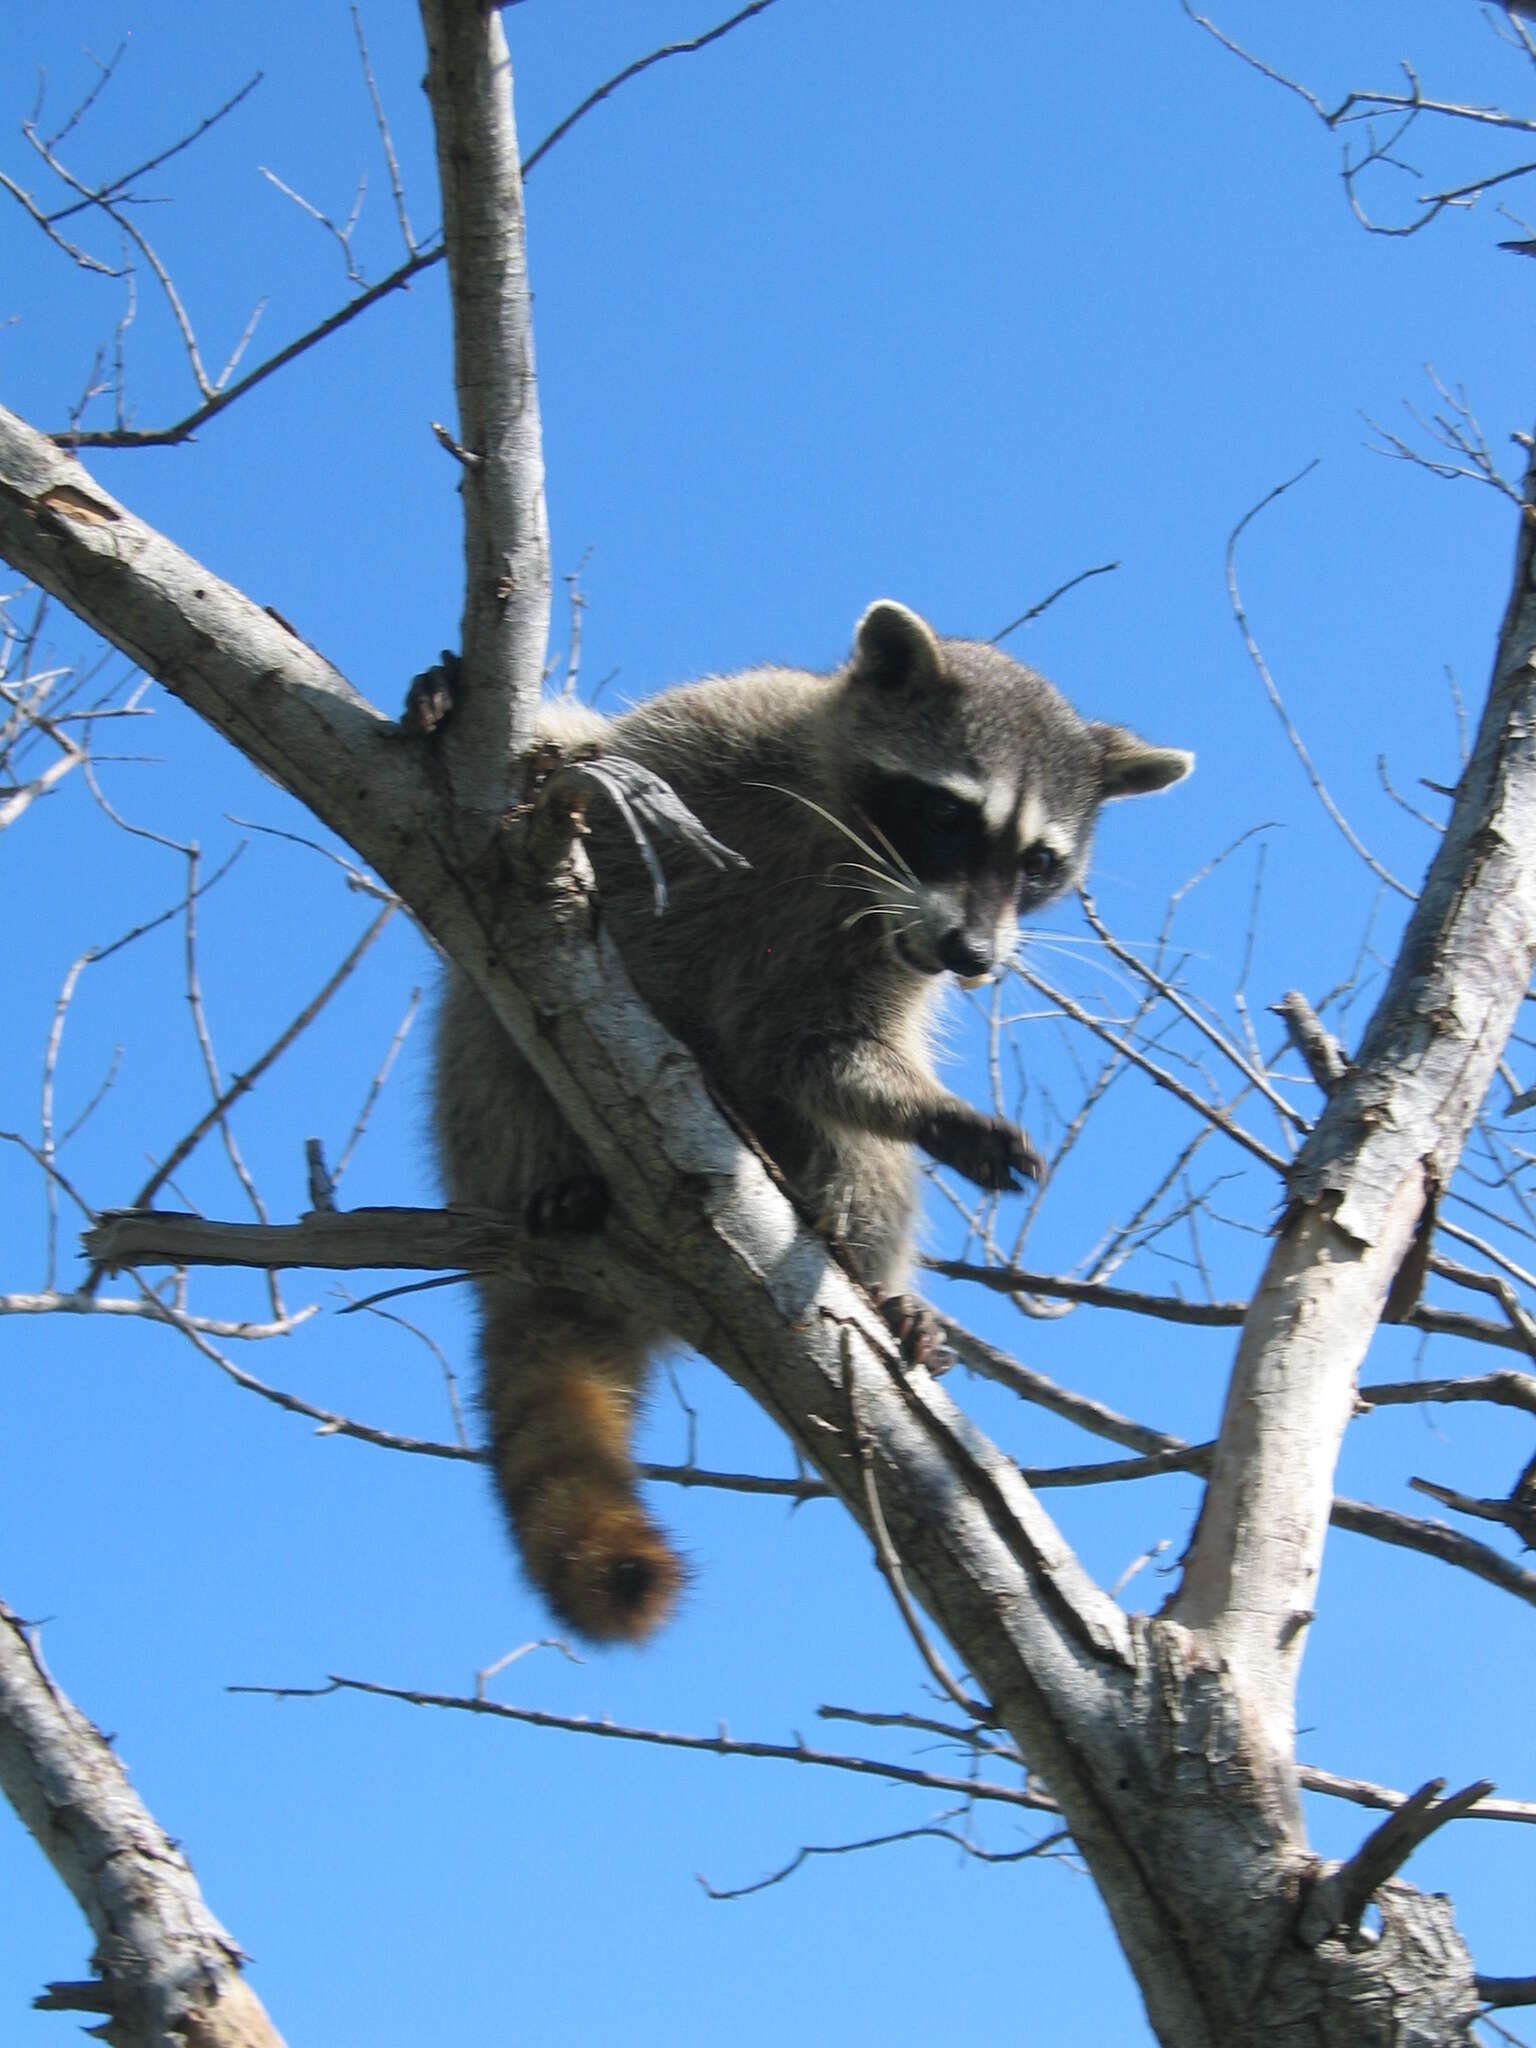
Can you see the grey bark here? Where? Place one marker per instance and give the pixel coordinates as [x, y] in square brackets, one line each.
[506, 535]
[1362, 1192]
[168, 1975]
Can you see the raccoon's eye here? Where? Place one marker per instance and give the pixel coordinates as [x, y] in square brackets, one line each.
[924, 828]
[1040, 863]
[943, 812]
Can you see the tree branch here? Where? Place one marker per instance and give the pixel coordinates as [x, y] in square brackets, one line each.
[1363, 1186]
[169, 1973]
[506, 531]
[1337, 1900]
[661, 1738]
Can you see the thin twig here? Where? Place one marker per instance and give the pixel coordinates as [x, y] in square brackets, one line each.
[54, 1301]
[115, 187]
[145, 248]
[932, 1831]
[1186, 1009]
[244, 1082]
[1035, 610]
[1261, 668]
[384, 135]
[211, 1069]
[680, 49]
[722, 1744]
[218, 400]
[1212, 1112]
[375, 1089]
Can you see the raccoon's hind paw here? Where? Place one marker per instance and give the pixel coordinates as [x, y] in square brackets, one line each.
[568, 1207]
[431, 696]
[914, 1326]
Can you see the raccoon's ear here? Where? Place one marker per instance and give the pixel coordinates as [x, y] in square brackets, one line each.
[894, 648]
[1130, 767]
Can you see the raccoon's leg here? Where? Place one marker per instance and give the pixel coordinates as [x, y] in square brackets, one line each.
[561, 1383]
[867, 1085]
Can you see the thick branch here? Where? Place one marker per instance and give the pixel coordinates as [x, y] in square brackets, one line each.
[1364, 1187]
[169, 1973]
[506, 533]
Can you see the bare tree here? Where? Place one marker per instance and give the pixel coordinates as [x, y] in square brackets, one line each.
[1167, 1743]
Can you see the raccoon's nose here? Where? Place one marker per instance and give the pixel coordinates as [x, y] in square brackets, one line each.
[964, 954]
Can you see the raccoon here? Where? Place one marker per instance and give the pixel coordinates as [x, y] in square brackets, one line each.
[898, 817]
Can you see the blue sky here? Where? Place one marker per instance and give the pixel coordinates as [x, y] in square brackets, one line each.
[946, 305]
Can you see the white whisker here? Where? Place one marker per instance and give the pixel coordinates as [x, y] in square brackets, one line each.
[880, 881]
[1106, 967]
[891, 850]
[872, 910]
[859, 867]
[852, 888]
[822, 812]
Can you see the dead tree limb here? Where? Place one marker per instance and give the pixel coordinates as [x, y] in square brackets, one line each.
[168, 1974]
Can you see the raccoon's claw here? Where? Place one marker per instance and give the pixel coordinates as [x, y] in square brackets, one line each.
[1016, 1154]
[986, 1149]
[913, 1324]
[568, 1207]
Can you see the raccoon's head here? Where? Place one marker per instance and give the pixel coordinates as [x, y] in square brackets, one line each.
[975, 782]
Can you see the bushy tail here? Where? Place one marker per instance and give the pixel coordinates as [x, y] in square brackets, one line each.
[560, 1392]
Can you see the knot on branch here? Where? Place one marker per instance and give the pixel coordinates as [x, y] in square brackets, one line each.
[1414, 1981]
[1318, 1047]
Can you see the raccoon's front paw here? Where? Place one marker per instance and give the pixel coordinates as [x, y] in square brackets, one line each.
[986, 1149]
[568, 1207]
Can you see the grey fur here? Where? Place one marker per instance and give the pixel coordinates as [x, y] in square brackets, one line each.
[804, 984]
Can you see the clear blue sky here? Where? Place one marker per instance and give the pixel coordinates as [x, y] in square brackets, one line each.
[947, 305]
